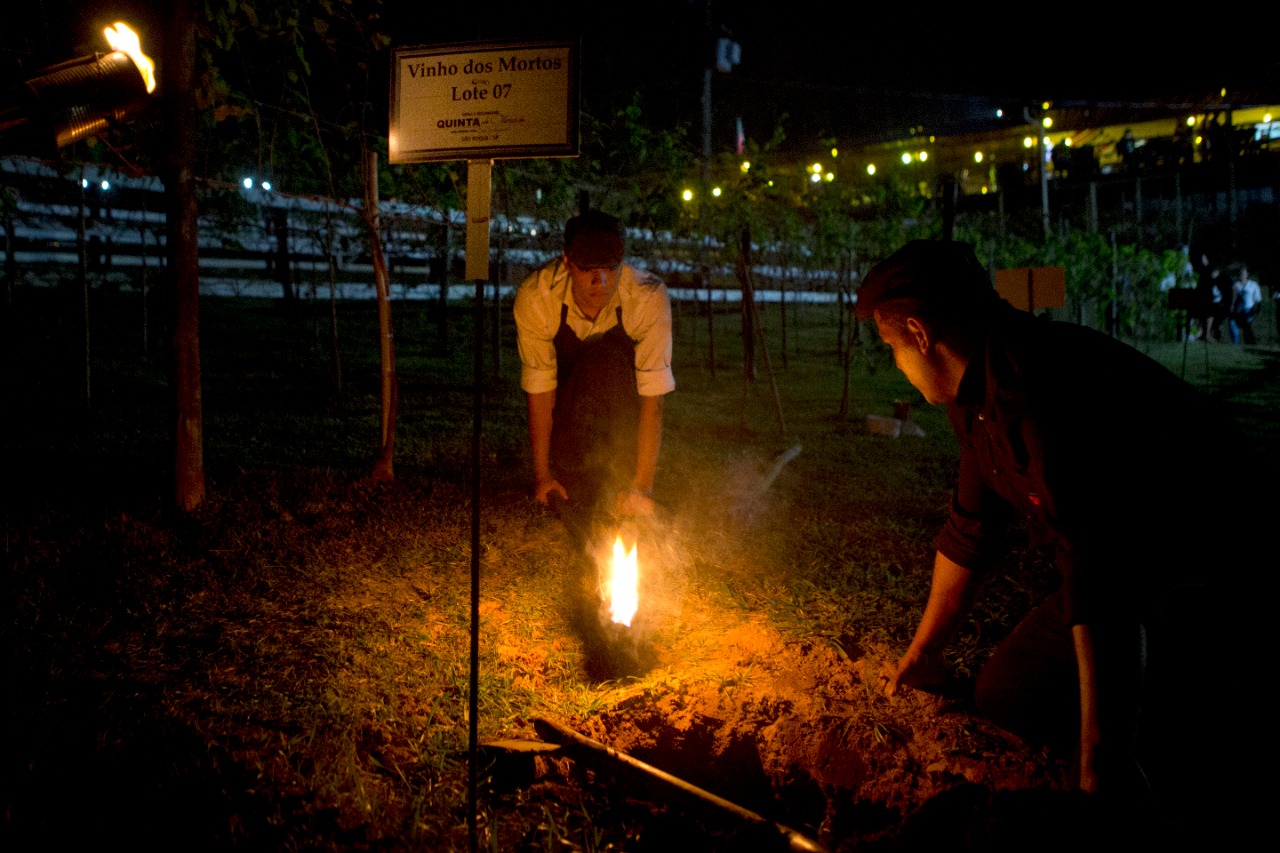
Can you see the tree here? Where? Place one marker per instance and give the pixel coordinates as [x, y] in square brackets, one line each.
[183, 238]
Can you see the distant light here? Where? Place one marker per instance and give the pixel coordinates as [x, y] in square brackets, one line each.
[84, 183]
[999, 113]
[770, 183]
[835, 152]
[1045, 105]
[1223, 93]
[533, 232]
[906, 158]
[266, 185]
[830, 176]
[984, 190]
[816, 168]
[1027, 142]
[1066, 141]
[933, 138]
[977, 156]
[1267, 117]
[248, 183]
[746, 165]
[871, 168]
[1191, 121]
[1047, 121]
[537, 194]
[687, 195]
[814, 178]
[106, 185]
[715, 191]
[1199, 139]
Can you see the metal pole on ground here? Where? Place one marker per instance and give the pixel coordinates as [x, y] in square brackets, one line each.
[479, 173]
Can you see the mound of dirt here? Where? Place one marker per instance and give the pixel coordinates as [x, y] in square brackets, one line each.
[796, 732]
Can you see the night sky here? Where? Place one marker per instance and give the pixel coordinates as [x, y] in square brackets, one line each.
[850, 75]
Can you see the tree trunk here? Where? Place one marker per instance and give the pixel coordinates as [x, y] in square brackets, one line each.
[335, 358]
[184, 268]
[143, 283]
[840, 298]
[748, 307]
[442, 308]
[845, 342]
[9, 205]
[284, 269]
[711, 324]
[782, 308]
[82, 278]
[382, 469]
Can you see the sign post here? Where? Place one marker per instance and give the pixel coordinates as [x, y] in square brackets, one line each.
[481, 102]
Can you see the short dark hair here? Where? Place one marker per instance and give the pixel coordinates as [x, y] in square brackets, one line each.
[930, 278]
[593, 240]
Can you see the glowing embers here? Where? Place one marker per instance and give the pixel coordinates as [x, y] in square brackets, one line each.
[125, 40]
[621, 588]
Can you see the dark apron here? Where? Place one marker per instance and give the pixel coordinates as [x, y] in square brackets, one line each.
[593, 433]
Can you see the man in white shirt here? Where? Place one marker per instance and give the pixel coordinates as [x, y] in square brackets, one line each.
[594, 335]
[1246, 301]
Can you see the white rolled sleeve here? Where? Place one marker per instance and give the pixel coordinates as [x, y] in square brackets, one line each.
[536, 325]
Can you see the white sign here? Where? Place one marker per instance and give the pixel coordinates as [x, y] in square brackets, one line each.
[484, 101]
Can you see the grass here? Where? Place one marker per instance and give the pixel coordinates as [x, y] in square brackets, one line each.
[287, 667]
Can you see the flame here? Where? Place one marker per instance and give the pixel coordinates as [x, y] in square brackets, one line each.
[621, 590]
[125, 40]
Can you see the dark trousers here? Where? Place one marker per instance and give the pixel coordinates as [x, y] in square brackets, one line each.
[1191, 739]
[1031, 685]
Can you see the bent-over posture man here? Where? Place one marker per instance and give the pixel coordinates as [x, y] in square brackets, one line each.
[595, 346]
[1099, 451]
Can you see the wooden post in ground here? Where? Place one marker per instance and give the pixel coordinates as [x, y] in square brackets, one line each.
[382, 468]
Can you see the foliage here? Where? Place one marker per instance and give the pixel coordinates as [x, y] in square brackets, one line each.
[286, 91]
[633, 169]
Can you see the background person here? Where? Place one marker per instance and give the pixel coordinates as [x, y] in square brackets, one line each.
[1246, 301]
[1209, 293]
[1100, 669]
[594, 336]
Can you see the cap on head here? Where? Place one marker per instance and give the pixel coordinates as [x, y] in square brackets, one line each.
[933, 273]
[593, 240]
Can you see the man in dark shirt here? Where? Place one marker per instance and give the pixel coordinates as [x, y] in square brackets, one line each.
[1106, 457]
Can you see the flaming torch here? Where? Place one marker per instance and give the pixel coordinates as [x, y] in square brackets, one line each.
[621, 588]
[82, 97]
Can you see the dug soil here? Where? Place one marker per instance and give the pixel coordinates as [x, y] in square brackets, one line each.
[797, 732]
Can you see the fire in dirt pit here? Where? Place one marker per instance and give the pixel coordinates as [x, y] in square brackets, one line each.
[621, 586]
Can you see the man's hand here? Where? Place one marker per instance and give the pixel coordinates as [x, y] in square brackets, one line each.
[545, 487]
[633, 503]
[914, 669]
[950, 594]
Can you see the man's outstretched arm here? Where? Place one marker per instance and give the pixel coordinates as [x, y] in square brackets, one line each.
[541, 407]
[638, 499]
[950, 595]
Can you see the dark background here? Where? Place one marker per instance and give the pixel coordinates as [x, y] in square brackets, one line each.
[844, 73]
